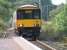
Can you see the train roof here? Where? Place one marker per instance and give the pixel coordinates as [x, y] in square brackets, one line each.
[28, 6]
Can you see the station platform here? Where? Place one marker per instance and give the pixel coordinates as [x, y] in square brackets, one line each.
[17, 43]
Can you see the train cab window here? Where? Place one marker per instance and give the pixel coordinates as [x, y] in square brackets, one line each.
[36, 14]
[28, 14]
[24, 14]
[19, 14]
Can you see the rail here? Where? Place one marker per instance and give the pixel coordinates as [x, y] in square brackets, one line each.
[47, 47]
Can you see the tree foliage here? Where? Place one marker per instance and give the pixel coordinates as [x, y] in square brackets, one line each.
[58, 26]
[7, 8]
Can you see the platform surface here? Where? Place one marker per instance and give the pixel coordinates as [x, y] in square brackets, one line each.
[17, 43]
[8, 44]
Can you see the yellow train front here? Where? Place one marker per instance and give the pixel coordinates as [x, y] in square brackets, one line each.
[28, 22]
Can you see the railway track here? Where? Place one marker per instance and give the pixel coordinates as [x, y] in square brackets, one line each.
[42, 45]
[38, 43]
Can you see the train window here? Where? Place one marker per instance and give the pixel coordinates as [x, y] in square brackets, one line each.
[24, 14]
[19, 14]
[28, 14]
[36, 14]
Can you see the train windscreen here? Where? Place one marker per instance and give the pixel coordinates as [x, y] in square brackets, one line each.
[28, 14]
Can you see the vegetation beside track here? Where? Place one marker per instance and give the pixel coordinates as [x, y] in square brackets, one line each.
[56, 27]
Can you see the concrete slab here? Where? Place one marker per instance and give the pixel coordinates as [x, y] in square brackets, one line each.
[8, 44]
[24, 44]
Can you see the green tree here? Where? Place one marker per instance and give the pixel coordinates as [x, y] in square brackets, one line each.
[58, 26]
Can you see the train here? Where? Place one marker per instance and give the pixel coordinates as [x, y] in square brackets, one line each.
[28, 21]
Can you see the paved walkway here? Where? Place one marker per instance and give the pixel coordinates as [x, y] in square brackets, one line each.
[8, 44]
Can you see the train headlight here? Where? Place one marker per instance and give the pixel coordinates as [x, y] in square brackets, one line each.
[20, 25]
